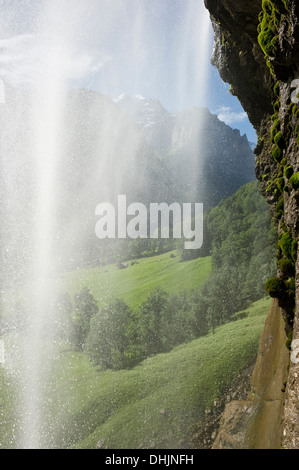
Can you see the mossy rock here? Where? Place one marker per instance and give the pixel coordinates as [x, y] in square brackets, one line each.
[290, 285]
[287, 267]
[295, 110]
[285, 246]
[280, 183]
[294, 250]
[288, 171]
[276, 105]
[279, 208]
[294, 180]
[276, 89]
[279, 140]
[277, 154]
[268, 28]
[275, 287]
[274, 129]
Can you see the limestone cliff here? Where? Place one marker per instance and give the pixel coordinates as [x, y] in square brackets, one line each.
[257, 51]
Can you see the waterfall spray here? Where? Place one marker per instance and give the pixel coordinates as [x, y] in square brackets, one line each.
[42, 70]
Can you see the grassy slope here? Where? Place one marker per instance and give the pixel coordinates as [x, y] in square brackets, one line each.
[132, 284]
[124, 408]
[135, 283]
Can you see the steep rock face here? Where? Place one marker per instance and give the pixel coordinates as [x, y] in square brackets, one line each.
[256, 422]
[210, 169]
[257, 52]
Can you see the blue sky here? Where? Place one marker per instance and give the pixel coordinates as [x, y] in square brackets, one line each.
[158, 48]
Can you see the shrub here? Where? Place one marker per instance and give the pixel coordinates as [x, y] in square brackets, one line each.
[85, 308]
[107, 340]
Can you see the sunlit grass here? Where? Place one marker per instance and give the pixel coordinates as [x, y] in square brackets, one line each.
[134, 283]
[159, 403]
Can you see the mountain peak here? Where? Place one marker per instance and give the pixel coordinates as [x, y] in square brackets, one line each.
[146, 112]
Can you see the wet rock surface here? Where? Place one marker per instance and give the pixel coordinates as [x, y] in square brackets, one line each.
[261, 68]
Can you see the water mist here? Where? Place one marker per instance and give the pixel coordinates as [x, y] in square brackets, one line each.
[47, 66]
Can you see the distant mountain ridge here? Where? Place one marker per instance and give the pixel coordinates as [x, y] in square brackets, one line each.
[105, 148]
[211, 159]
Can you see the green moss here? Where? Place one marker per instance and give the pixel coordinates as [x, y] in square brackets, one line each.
[276, 106]
[268, 28]
[290, 285]
[279, 140]
[267, 6]
[270, 185]
[274, 117]
[280, 183]
[283, 226]
[266, 36]
[279, 208]
[271, 19]
[284, 245]
[288, 171]
[276, 89]
[275, 129]
[294, 180]
[277, 154]
[294, 250]
[275, 287]
[287, 267]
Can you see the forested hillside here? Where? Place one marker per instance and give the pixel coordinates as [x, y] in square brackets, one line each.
[243, 250]
[242, 247]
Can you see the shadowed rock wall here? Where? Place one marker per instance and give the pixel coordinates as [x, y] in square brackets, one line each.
[257, 51]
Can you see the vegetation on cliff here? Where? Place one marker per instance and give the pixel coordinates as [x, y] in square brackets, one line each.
[266, 45]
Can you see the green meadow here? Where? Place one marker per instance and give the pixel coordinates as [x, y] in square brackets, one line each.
[134, 283]
[160, 403]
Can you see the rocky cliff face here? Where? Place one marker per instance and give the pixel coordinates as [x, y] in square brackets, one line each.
[210, 169]
[257, 52]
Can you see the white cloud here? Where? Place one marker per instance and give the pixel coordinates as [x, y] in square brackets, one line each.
[34, 60]
[226, 114]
